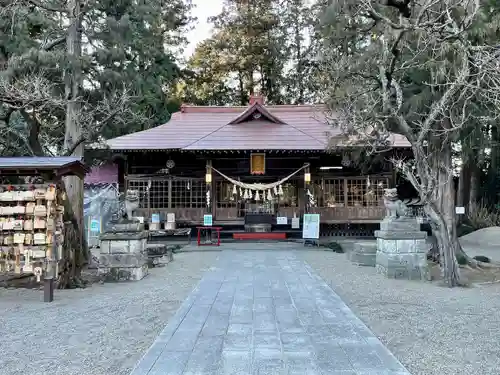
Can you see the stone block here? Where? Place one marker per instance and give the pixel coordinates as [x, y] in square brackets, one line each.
[123, 273]
[402, 259]
[393, 235]
[365, 248]
[363, 259]
[122, 260]
[127, 227]
[363, 254]
[402, 224]
[402, 250]
[123, 245]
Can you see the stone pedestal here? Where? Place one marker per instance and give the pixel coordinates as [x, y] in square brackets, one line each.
[402, 249]
[159, 254]
[123, 255]
[363, 254]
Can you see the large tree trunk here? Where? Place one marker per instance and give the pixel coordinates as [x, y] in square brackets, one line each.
[441, 210]
[76, 252]
[474, 184]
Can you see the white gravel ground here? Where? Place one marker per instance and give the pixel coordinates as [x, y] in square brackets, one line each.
[432, 330]
[102, 330]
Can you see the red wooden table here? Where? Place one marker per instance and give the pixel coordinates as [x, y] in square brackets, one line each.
[211, 229]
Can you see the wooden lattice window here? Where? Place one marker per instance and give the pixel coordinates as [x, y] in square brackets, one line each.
[185, 193]
[333, 193]
[158, 194]
[142, 187]
[198, 194]
[289, 197]
[329, 192]
[188, 193]
[360, 193]
[225, 197]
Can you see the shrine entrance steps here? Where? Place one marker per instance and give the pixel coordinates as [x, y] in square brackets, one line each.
[252, 236]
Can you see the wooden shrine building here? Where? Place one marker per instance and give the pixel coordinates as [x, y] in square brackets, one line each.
[212, 159]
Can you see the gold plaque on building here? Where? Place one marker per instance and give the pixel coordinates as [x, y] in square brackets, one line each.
[257, 163]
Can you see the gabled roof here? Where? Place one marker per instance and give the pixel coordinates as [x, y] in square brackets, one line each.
[280, 127]
[253, 111]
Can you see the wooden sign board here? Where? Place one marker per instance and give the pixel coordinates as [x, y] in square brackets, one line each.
[257, 163]
[207, 220]
[310, 226]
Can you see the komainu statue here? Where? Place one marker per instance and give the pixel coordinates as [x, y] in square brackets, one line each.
[131, 202]
[394, 206]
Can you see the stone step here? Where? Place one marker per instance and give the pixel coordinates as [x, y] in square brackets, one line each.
[361, 259]
[365, 247]
[363, 254]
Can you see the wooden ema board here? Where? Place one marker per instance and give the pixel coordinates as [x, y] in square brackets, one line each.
[31, 229]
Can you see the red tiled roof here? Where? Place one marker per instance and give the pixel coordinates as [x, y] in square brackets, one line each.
[281, 127]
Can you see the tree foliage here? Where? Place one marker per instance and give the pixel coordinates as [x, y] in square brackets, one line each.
[128, 64]
[265, 46]
[425, 70]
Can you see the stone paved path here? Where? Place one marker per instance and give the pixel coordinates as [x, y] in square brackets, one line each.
[266, 313]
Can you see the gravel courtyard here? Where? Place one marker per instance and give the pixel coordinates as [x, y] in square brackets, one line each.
[102, 330]
[105, 329]
[432, 330]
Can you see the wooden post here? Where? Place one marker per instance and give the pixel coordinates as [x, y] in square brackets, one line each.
[307, 185]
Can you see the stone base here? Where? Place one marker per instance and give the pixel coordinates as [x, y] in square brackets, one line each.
[122, 260]
[363, 254]
[131, 242]
[123, 273]
[123, 267]
[404, 258]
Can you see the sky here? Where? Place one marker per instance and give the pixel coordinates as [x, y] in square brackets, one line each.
[202, 30]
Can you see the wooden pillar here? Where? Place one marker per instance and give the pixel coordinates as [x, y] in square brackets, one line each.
[307, 187]
[209, 181]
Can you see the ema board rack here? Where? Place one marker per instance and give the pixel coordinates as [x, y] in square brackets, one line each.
[31, 227]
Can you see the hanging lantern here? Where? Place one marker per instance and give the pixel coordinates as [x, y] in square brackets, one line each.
[247, 194]
[280, 190]
[269, 196]
[234, 190]
[257, 197]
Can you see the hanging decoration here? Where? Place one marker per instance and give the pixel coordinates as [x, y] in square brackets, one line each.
[312, 201]
[275, 190]
[269, 196]
[208, 198]
[261, 187]
[234, 190]
[257, 197]
[188, 187]
[241, 192]
[246, 195]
